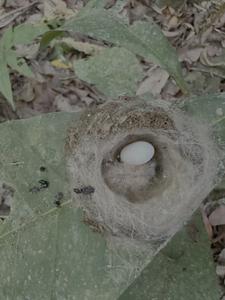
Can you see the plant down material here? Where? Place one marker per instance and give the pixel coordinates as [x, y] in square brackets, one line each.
[143, 204]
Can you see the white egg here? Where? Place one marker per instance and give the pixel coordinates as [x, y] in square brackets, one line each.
[137, 153]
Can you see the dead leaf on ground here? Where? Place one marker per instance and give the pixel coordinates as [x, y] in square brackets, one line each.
[57, 8]
[190, 55]
[207, 224]
[170, 90]
[86, 47]
[25, 92]
[214, 50]
[154, 83]
[7, 18]
[217, 217]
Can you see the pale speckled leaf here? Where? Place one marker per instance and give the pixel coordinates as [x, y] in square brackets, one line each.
[115, 71]
[183, 270]
[211, 109]
[27, 33]
[142, 38]
[47, 252]
[5, 83]
[117, 8]
[41, 244]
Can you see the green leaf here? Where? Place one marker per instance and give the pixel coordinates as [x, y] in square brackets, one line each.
[209, 109]
[48, 252]
[7, 40]
[27, 33]
[115, 72]
[5, 83]
[183, 270]
[142, 38]
[49, 36]
[18, 64]
[102, 4]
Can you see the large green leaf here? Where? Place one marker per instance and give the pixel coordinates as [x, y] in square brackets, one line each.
[47, 251]
[209, 109]
[5, 84]
[114, 71]
[183, 270]
[27, 33]
[142, 38]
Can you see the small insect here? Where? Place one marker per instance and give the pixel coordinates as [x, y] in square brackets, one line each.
[43, 169]
[58, 199]
[42, 184]
[86, 190]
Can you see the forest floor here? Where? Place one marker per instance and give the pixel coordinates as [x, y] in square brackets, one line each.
[195, 28]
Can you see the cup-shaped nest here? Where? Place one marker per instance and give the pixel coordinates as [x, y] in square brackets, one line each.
[143, 202]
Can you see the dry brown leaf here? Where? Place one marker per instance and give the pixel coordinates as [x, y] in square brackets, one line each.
[207, 224]
[190, 55]
[212, 61]
[220, 270]
[214, 50]
[170, 90]
[26, 93]
[221, 258]
[85, 47]
[57, 8]
[175, 33]
[173, 22]
[62, 103]
[154, 83]
[7, 18]
[217, 217]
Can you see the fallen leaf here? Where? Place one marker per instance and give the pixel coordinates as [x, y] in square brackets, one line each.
[5, 83]
[12, 15]
[57, 63]
[25, 93]
[170, 90]
[207, 224]
[85, 47]
[217, 217]
[214, 50]
[190, 55]
[220, 270]
[173, 22]
[216, 61]
[154, 83]
[62, 103]
[57, 8]
[221, 258]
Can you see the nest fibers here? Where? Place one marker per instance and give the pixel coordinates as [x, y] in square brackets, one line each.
[149, 202]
